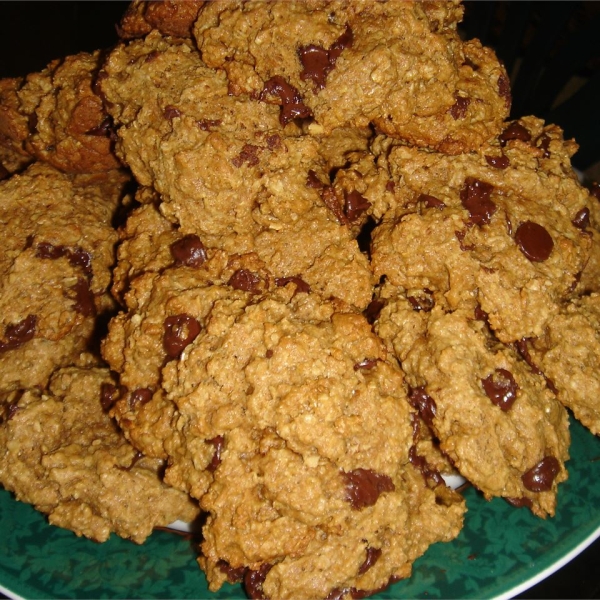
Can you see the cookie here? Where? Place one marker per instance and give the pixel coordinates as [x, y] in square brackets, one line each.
[280, 400]
[568, 354]
[495, 418]
[54, 269]
[226, 172]
[469, 230]
[418, 81]
[63, 454]
[170, 17]
[56, 117]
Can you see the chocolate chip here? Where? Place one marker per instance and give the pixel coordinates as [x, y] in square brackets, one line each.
[109, 394]
[390, 186]
[253, 581]
[317, 62]
[364, 486]
[501, 388]
[105, 129]
[520, 502]
[171, 112]
[582, 219]
[179, 331]
[424, 302]
[534, 241]
[431, 201]
[420, 463]
[595, 190]
[245, 280]
[373, 555]
[84, 298]
[208, 124]
[292, 104]
[188, 251]
[248, 155]
[77, 257]
[459, 109]
[11, 411]
[140, 397]
[515, 131]
[543, 142]
[355, 205]
[331, 201]
[541, 477]
[498, 162]
[366, 364]
[504, 89]
[460, 236]
[301, 285]
[475, 197]
[424, 403]
[218, 442]
[373, 310]
[233, 574]
[17, 334]
[481, 315]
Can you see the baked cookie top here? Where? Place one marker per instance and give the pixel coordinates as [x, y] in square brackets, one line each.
[54, 268]
[63, 454]
[399, 66]
[227, 172]
[501, 228]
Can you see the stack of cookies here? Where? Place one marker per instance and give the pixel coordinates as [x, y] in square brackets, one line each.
[285, 265]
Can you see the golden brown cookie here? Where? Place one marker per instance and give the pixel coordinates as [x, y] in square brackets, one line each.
[54, 269]
[399, 66]
[63, 454]
[495, 418]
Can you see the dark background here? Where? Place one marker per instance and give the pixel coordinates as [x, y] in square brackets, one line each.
[550, 50]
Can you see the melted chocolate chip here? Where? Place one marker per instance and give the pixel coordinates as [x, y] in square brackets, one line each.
[84, 298]
[475, 197]
[77, 257]
[245, 280]
[248, 155]
[171, 112]
[208, 124]
[253, 581]
[504, 89]
[515, 131]
[188, 251]
[424, 403]
[541, 477]
[233, 574]
[367, 364]
[17, 334]
[534, 241]
[459, 109]
[582, 219]
[301, 285]
[481, 315]
[364, 486]
[292, 105]
[373, 310]
[218, 442]
[179, 331]
[105, 129]
[431, 201]
[460, 236]
[317, 62]
[501, 388]
[424, 302]
[140, 397]
[498, 162]
[312, 181]
[520, 502]
[420, 463]
[373, 555]
[543, 142]
[355, 206]
[331, 201]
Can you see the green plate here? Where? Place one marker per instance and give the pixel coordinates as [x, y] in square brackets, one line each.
[500, 552]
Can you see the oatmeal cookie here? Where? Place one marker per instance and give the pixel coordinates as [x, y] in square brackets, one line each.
[292, 428]
[227, 172]
[569, 355]
[63, 454]
[54, 269]
[500, 228]
[495, 418]
[56, 116]
[170, 17]
[399, 66]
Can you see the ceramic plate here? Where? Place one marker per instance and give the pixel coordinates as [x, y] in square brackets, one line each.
[500, 552]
